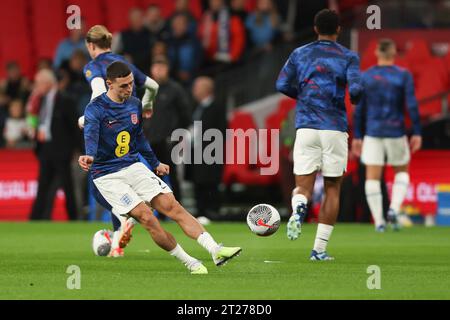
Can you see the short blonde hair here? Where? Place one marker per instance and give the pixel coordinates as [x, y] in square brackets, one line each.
[100, 36]
[386, 48]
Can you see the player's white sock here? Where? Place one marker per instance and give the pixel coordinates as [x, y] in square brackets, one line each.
[179, 253]
[322, 236]
[375, 201]
[115, 239]
[133, 221]
[207, 242]
[298, 199]
[399, 190]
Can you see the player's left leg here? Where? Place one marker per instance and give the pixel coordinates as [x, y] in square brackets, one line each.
[327, 218]
[301, 195]
[169, 206]
[122, 228]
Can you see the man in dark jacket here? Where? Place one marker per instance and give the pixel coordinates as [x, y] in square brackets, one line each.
[57, 138]
[207, 177]
[171, 111]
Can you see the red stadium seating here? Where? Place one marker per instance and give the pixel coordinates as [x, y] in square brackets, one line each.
[47, 33]
[92, 11]
[14, 35]
[368, 57]
[417, 54]
[117, 14]
[432, 79]
[248, 174]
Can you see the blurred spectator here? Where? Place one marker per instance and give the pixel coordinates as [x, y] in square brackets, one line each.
[296, 16]
[184, 51]
[45, 63]
[207, 177]
[182, 7]
[15, 86]
[171, 111]
[262, 25]
[222, 36]
[16, 126]
[155, 22]
[57, 135]
[159, 49]
[135, 43]
[73, 81]
[66, 47]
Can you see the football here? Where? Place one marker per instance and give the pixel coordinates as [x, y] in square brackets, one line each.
[101, 242]
[263, 220]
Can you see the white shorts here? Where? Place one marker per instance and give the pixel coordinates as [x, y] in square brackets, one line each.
[127, 188]
[376, 150]
[324, 150]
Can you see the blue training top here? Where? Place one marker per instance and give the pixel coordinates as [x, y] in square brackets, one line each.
[113, 135]
[316, 75]
[380, 113]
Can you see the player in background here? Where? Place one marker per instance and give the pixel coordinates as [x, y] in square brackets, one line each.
[114, 138]
[316, 75]
[98, 43]
[380, 131]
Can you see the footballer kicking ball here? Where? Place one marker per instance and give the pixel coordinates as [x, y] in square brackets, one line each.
[263, 220]
[101, 242]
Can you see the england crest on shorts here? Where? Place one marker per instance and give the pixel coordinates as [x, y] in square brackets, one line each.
[134, 118]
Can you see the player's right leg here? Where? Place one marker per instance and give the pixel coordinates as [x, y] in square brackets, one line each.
[398, 156]
[164, 239]
[122, 227]
[372, 156]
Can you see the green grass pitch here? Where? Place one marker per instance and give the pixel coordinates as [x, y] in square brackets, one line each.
[414, 264]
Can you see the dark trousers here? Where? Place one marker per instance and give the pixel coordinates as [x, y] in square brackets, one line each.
[163, 150]
[53, 172]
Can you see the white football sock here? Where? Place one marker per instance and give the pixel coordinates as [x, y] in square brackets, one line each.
[375, 201]
[298, 199]
[179, 253]
[399, 190]
[322, 236]
[133, 221]
[207, 242]
[115, 239]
